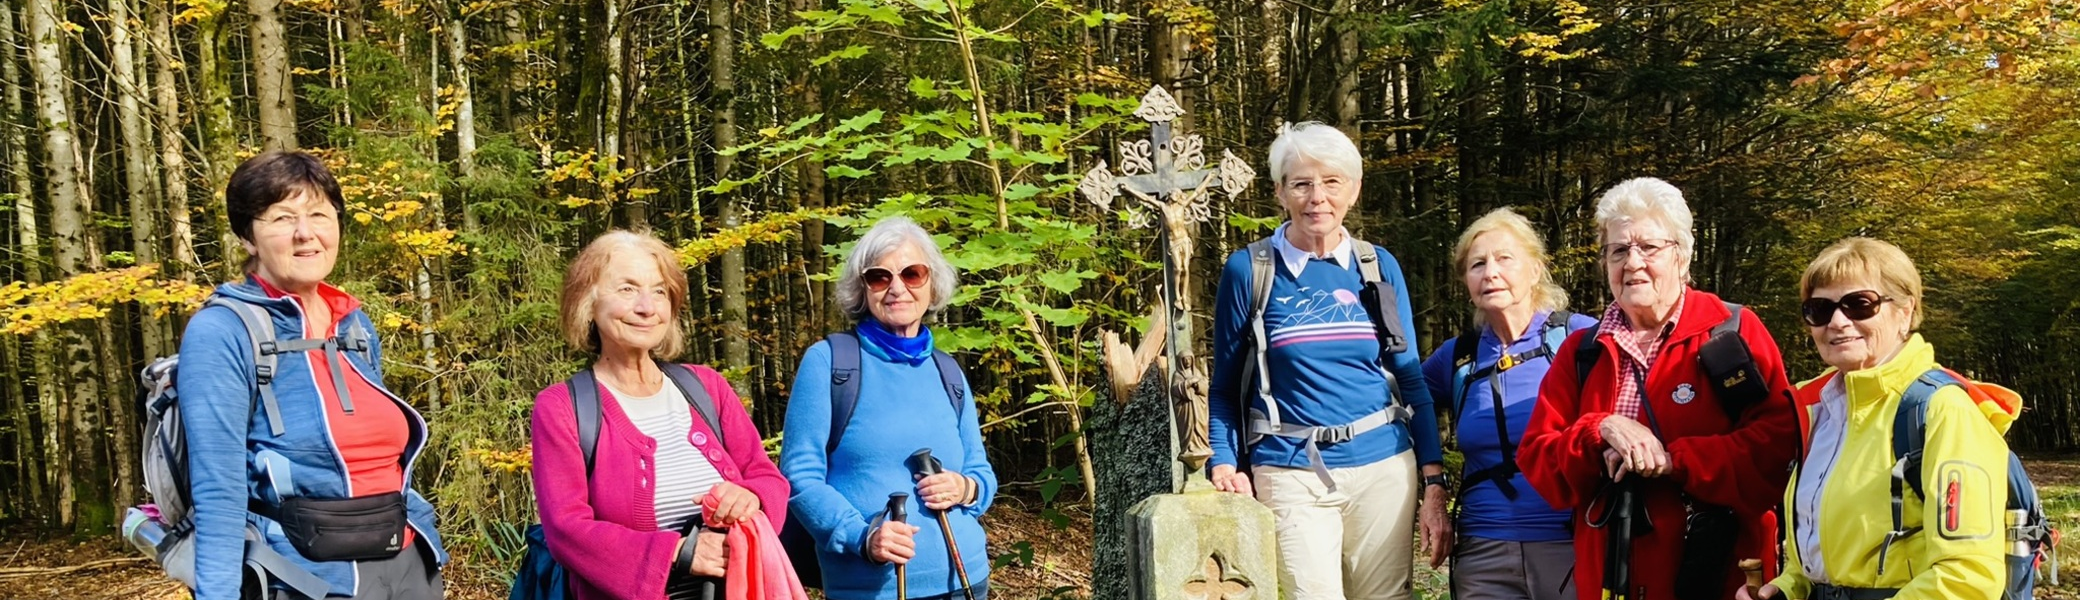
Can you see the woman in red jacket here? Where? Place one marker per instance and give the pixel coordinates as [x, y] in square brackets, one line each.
[628, 524]
[1645, 422]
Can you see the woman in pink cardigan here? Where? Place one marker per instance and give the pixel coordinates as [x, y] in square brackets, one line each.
[635, 529]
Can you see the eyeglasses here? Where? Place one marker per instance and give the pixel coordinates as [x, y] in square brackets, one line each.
[1858, 306]
[878, 278]
[1647, 249]
[284, 222]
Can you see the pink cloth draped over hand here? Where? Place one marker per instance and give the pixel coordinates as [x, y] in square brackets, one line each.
[758, 567]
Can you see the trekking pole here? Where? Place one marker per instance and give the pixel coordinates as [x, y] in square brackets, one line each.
[896, 514]
[922, 464]
[1617, 558]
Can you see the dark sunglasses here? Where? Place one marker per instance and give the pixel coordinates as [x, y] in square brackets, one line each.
[878, 278]
[1858, 305]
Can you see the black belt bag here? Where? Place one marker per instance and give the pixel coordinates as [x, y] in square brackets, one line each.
[1708, 536]
[365, 528]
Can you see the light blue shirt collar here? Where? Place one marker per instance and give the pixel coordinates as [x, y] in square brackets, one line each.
[1296, 259]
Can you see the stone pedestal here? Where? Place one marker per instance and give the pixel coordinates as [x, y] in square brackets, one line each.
[1131, 457]
[1203, 545]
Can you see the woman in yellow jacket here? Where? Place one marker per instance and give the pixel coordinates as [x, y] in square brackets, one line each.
[1861, 299]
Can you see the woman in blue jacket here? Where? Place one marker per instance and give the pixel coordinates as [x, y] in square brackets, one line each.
[297, 442]
[843, 476]
[1511, 543]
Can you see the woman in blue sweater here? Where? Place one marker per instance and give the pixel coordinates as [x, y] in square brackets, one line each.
[845, 466]
[1336, 427]
[1512, 544]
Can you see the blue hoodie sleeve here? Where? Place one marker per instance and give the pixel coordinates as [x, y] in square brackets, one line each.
[975, 463]
[836, 525]
[216, 390]
[1437, 374]
[1226, 394]
[1408, 370]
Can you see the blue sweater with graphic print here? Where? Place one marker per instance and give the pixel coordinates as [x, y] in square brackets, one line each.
[1324, 365]
[1483, 511]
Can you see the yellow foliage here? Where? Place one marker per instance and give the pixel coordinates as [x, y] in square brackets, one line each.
[25, 308]
[505, 461]
[429, 243]
[776, 227]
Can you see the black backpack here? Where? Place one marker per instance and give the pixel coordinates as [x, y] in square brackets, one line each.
[845, 351]
[540, 577]
[1729, 366]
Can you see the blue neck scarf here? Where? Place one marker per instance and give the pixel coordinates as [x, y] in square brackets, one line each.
[912, 350]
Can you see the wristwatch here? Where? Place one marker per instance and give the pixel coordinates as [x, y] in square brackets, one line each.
[1439, 480]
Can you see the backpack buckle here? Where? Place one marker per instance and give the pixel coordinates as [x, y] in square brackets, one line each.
[269, 347]
[265, 373]
[1333, 435]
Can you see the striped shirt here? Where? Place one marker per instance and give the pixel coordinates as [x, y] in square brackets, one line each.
[683, 476]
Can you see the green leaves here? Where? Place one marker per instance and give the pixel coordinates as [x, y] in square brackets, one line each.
[1066, 283]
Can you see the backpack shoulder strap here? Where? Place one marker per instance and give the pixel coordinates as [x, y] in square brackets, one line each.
[950, 377]
[1556, 330]
[845, 350]
[1261, 272]
[259, 329]
[1910, 425]
[585, 404]
[1381, 302]
[1462, 367]
[1732, 324]
[696, 394]
[1587, 354]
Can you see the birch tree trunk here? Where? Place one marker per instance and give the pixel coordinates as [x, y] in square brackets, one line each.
[722, 83]
[610, 129]
[41, 384]
[219, 143]
[173, 163]
[139, 181]
[69, 220]
[465, 110]
[274, 87]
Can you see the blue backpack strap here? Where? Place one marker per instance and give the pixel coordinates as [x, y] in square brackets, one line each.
[1556, 331]
[585, 403]
[1462, 369]
[696, 394]
[1909, 437]
[950, 377]
[844, 383]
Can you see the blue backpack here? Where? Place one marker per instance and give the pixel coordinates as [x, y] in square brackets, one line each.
[539, 576]
[800, 546]
[2027, 529]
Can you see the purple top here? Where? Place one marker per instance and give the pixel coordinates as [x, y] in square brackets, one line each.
[605, 532]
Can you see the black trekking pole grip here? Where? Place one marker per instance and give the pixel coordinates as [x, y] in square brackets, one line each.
[898, 512]
[924, 465]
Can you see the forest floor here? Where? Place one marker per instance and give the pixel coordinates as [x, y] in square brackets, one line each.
[37, 565]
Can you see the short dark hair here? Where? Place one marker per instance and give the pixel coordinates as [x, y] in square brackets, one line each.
[271, 177]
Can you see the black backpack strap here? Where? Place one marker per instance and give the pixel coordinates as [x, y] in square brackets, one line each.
[696, 394]
[950, 377]
[845, 351]
[585, 404]
[1586, 354]
[1381, 304]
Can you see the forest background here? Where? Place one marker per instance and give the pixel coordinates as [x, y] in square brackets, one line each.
[481, 142]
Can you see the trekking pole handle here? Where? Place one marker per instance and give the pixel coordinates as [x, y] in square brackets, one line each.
[922, 464]
[898, 505]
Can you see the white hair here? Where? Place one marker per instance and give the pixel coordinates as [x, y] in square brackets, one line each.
[887, 235]
[1648, 199]
[1318, 142]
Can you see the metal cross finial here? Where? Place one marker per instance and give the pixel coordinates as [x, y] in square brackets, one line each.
[1169, 180]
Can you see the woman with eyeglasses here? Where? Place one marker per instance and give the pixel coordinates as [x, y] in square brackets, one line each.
[1628, 416]
[865, 403]
[1861, 300]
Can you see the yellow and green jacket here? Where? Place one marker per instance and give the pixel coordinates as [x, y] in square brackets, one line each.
[1838, 506]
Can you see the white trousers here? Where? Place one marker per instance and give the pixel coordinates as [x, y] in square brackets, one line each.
[1356, 543]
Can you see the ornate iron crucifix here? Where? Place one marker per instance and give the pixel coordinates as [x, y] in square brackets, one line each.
[1168, 177]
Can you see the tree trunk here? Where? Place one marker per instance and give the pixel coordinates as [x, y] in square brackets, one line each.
[219, 143]
[611, 119]
[465, 112]
[29, 246]
[173, 164]
[810, 90]
[276, 91]
[139, 182]
[722, 84]
[1343, 95]
[70, 218]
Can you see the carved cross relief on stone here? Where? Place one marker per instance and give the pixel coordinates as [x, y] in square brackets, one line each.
[1217, 584]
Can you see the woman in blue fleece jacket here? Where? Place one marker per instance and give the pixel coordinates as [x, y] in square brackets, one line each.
[893, 277]
[1511, 543]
